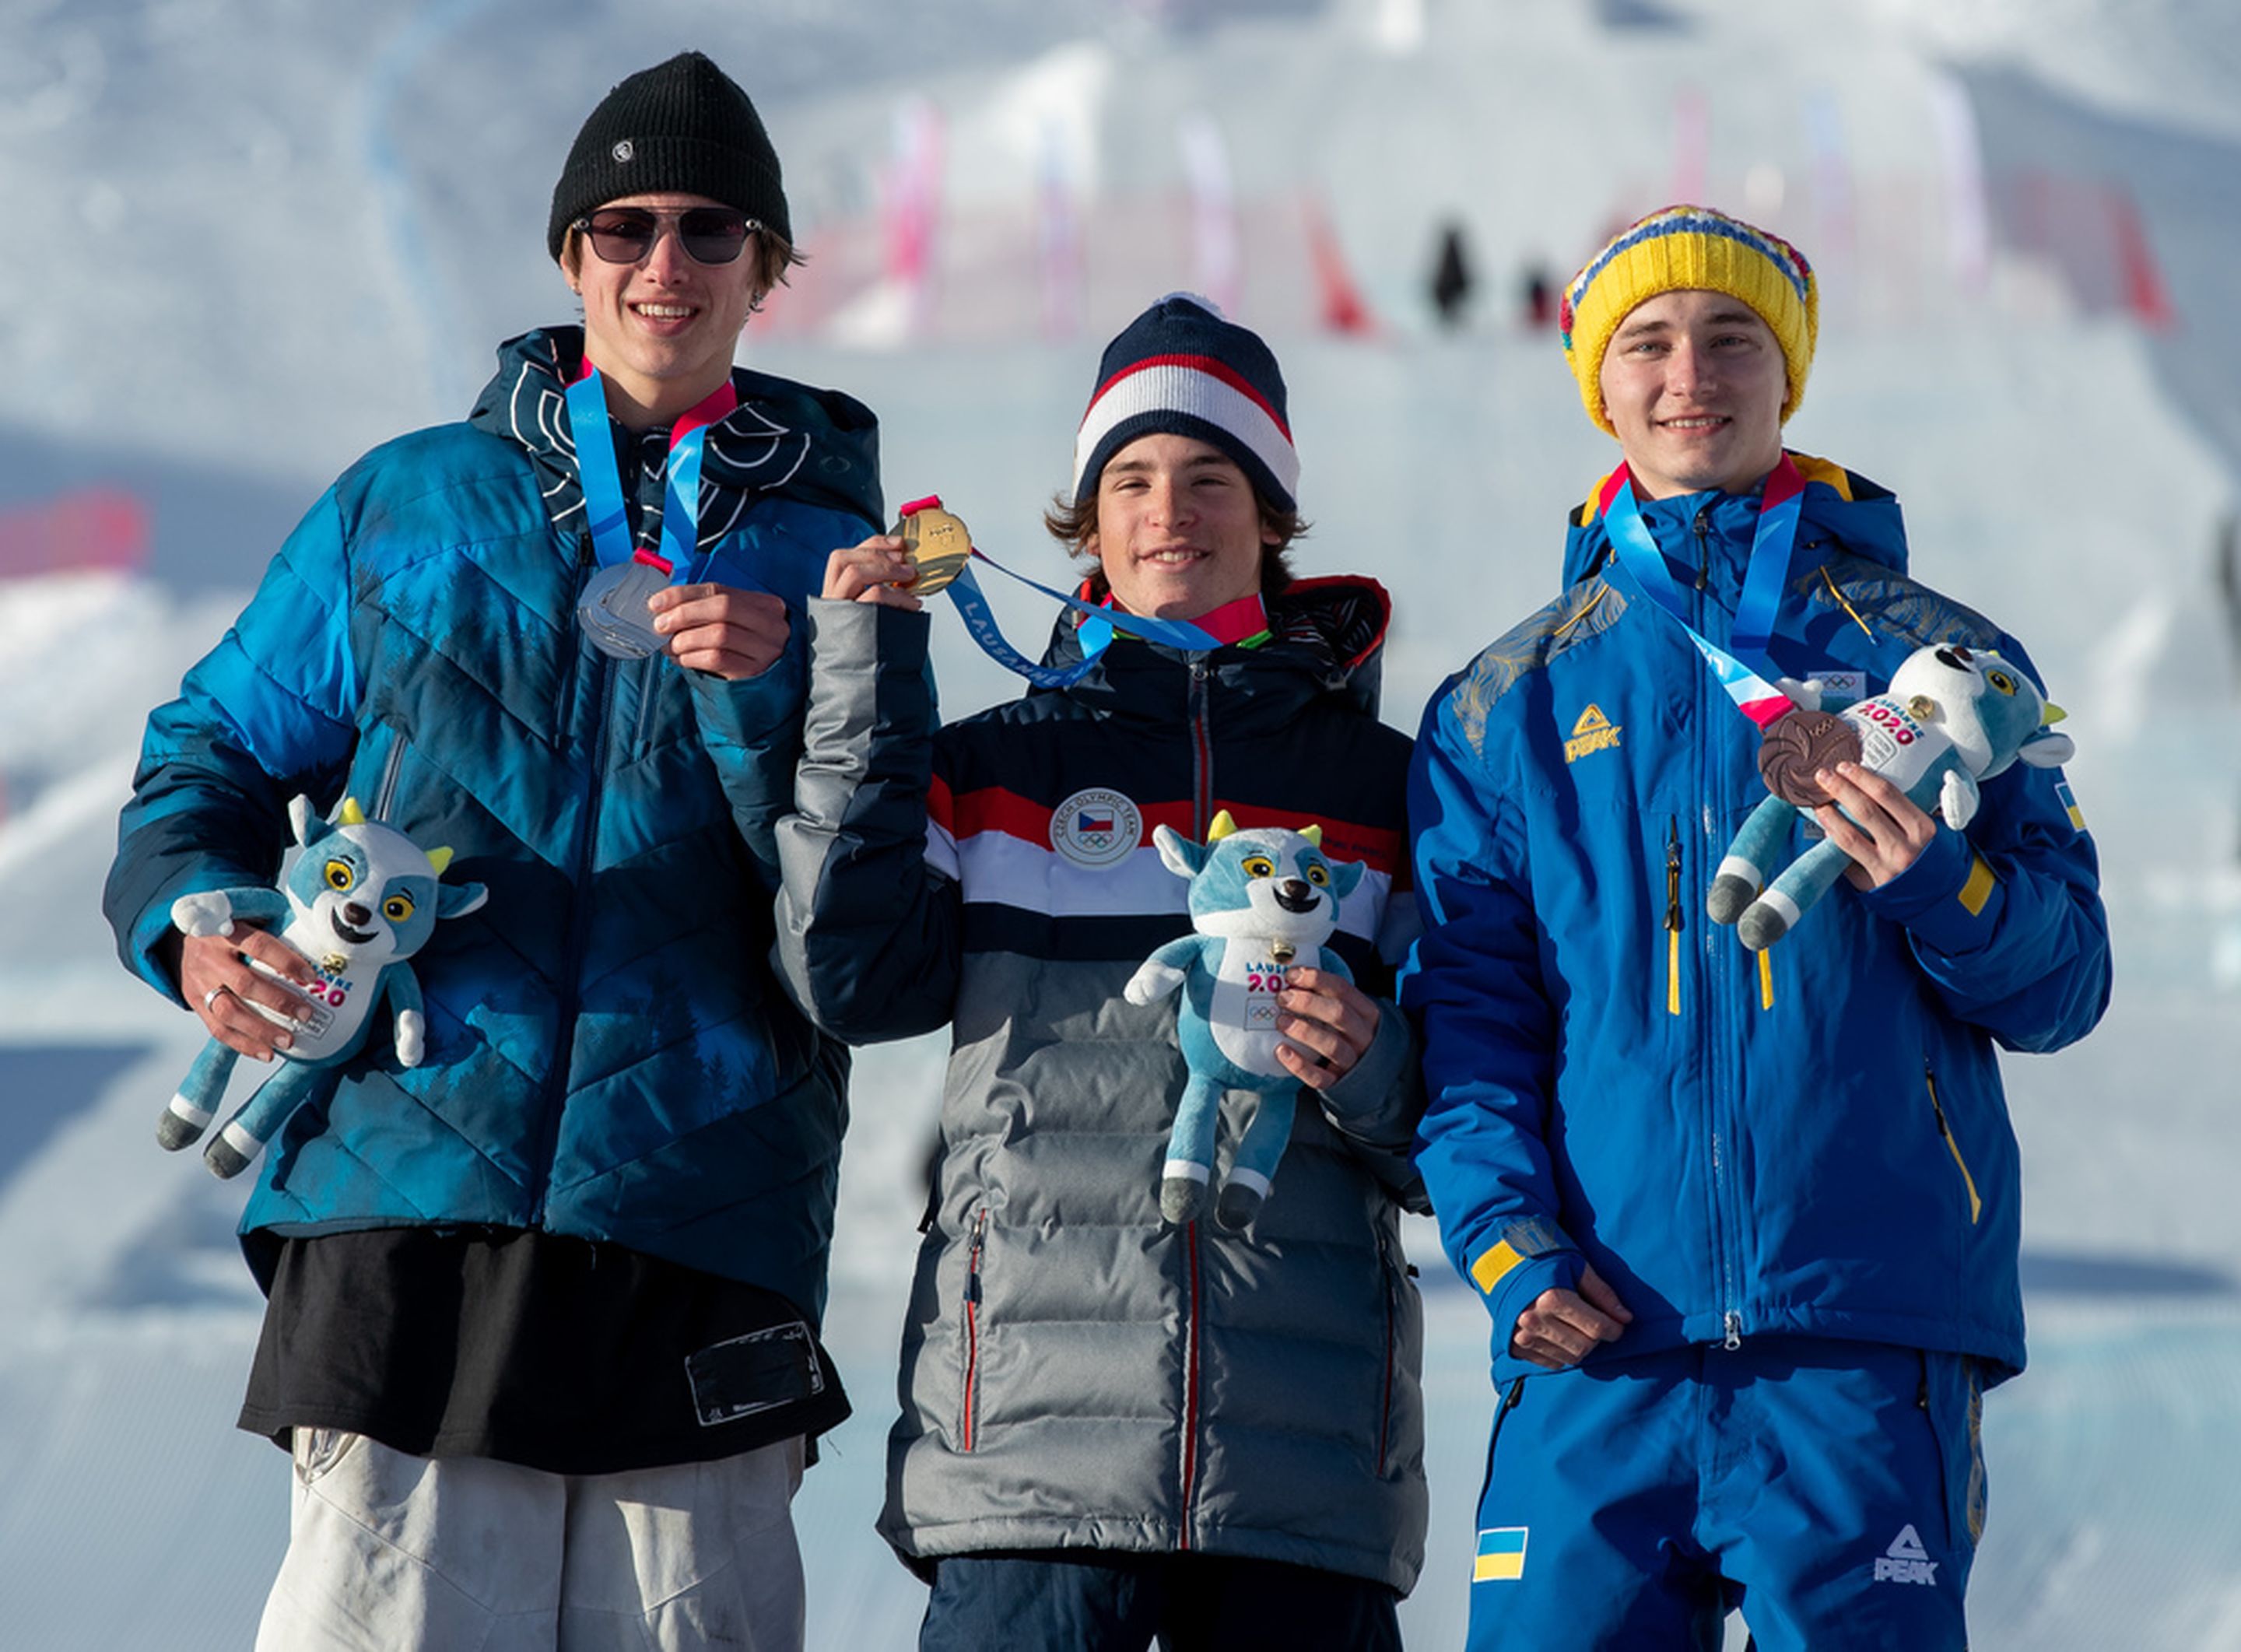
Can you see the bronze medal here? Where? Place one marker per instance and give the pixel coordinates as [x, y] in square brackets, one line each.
[1794, 747]
[938, 543]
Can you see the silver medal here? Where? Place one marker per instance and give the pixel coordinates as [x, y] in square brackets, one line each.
[613, 611]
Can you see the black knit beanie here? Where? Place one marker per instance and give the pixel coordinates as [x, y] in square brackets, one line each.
[683, 125]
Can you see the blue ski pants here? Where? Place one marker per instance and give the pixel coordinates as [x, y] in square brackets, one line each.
[1832, 1491]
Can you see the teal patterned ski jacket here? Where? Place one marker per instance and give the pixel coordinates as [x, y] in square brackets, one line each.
[609, 1056]
[1811, 1141]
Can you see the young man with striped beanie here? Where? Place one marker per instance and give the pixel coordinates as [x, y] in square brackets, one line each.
[1117, 1427]
[1745, 1224]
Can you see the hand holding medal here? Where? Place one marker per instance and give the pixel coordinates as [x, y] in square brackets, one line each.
[931, 550]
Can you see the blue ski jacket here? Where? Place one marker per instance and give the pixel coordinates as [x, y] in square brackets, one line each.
[1811, 1139]
[609, 1056]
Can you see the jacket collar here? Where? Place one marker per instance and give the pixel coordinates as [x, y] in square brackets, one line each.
[1841, 510]
[1327, 637]
[817, 446]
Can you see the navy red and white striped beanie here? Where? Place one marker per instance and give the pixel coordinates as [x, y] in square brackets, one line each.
[1179, 369]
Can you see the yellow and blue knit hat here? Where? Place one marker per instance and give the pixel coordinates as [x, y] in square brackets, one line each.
[1679, 248]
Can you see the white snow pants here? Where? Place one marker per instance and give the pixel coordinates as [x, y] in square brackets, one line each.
[388, 1552]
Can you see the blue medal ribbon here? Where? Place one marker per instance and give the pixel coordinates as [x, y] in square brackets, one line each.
[1773, 545]
[604, 515]
[1095, 633]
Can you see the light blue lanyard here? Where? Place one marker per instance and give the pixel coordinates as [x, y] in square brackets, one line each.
[1095, 633]
[603, 512]
[1767, 577]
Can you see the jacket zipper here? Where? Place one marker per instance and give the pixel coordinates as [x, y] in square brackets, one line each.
[1724, 1040]
[587, 559]
[1392, 1318]
[1945, 1129]
[580, 914]
[1190, 1395]
[385, 796]
[965, 1432]
[1672, 914]
[1198, 713]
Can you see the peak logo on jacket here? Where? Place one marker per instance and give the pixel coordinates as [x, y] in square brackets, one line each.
[1593, 733]
[1906, 1560]
[1096, 828]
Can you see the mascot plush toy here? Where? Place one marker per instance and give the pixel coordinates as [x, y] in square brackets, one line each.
[1952, 717]
[1259, 902]
[360, 899]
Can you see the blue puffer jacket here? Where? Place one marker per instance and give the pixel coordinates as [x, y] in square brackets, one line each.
[608, 1054]
[1813, 1139]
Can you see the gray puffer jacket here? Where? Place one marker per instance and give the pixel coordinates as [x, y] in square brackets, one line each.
[1078, 1373]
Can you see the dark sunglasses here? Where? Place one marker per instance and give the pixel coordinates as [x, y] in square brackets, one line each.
[626, 234]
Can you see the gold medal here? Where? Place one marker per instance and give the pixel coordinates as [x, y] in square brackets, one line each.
[938, 543]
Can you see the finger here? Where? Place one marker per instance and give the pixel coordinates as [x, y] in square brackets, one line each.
[276, 954]
[1353, 1020]
[255, 989]
[1578, 1325]
[685, 607]
[1559, 1343]
[1598, 1294]
[732, 665]
[1888, 793]
[235, 1025]
[1314, 1038]
[895, 596]
[1315, 1071]
[870, 566]
[1866, 808]
[730, 648]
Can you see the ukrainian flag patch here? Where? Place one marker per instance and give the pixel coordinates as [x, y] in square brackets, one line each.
[1501, 1554]
[2069, 802]
[1493, 1266]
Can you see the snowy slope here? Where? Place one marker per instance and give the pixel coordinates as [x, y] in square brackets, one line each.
[254, 229]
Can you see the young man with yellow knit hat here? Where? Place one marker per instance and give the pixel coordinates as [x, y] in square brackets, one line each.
[1746, 1223]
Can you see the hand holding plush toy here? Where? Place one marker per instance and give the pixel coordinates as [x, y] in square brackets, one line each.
[360, 899]
[1261, 901]
[1953, 716]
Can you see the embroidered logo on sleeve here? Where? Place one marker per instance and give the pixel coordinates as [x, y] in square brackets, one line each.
[1593, 733]
[1501, 1555]
[2068, 800]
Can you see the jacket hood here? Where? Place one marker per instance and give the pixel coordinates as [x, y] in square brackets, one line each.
[819, 446]
[1860, 516]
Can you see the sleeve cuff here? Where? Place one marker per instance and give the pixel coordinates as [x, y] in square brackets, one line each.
[1949, 899]
[1368, 1101]
[1517, 1261]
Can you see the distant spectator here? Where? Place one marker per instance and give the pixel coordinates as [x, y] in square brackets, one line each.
[1537, 298]
[1451, 277]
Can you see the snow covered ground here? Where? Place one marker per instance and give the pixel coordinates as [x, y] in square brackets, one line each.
[284, 235]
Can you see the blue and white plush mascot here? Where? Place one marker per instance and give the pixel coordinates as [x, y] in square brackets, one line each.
[1952, 717]
[1261, 901]
[361, 899]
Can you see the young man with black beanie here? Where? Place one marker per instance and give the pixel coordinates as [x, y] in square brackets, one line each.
[542, 1320]
[1124, 1420]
